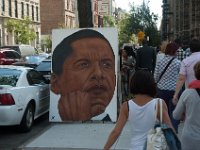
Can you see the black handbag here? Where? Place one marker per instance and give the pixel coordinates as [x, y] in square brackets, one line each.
[172, 139]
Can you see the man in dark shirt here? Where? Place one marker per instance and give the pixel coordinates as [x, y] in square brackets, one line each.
[146, 58]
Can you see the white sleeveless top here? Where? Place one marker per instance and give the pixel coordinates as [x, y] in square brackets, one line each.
[141, 119]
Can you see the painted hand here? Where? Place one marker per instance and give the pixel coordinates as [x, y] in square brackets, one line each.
[75, 106]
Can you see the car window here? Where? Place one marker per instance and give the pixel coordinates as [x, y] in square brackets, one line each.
[12, 54]
[34, 59]
[35, 77]
[9, 76]
[17, 56]
[16, 48]
[9, 54]
[44, 66]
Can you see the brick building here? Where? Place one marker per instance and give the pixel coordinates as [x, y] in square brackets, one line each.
[57, 14]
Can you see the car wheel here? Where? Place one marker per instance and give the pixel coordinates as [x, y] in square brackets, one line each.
[28, 118]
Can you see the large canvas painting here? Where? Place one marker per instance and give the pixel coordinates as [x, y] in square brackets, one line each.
[84, 74]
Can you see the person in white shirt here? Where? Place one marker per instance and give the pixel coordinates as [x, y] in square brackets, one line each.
[140, 111]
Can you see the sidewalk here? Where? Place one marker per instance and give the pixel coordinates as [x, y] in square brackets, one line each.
[79, 136]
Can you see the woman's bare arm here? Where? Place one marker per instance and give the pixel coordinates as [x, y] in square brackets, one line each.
[123, 116]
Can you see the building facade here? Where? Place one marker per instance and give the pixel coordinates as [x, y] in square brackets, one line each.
[107, 7]
[18, 10]
[181, 19]
[95, 13]
[57, 14]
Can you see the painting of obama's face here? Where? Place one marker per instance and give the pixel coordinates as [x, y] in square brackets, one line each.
[87, 81]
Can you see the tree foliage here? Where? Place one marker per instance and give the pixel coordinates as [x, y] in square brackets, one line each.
[140, 19]
[47, 43]
[108, 21]
[22, 29]
[124, 30]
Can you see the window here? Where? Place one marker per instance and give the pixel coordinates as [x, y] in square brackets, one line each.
[12, 55]
[3, 6]
[32, 12]
[22, 9]
[67, 4]
[10, 8]
[27, 9]
[9, 76]
[37, 14]
[16, 9]
[35, 77]
[37, 37]
[9, 54]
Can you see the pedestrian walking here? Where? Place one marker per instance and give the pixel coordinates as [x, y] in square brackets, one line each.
[125, 67]
[189, 104]
[139, 112]
[146, 57]
[181, 53]
[186, 74]
[166, 74]
[161, 53]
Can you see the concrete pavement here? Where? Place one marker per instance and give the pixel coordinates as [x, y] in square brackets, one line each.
[91, 135]
[79, 136]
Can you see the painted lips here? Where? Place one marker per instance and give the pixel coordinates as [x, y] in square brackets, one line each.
[97, 89]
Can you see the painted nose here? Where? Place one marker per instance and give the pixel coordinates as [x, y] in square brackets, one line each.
[97, 72]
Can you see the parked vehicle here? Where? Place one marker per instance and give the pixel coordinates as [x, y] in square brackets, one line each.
[45, 68]
[30, 61]
[25, 64]
[24, 96]
[9, 56]
[34, 59]
[23, 50]
[46, 55]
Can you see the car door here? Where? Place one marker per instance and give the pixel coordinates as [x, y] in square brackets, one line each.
[42, 91]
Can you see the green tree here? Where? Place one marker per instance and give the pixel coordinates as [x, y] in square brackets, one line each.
[108, 21]
[139, 19]
[47, 44]
[124, 33]
[22, 29]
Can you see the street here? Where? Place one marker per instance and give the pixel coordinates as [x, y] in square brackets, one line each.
[11, 139]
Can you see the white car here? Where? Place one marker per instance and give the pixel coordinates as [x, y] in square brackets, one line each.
[24, 96]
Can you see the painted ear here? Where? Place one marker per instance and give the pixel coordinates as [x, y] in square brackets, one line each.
[54, 84]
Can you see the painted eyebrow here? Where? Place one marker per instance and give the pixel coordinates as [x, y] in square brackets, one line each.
[107, 59]
[82, 59]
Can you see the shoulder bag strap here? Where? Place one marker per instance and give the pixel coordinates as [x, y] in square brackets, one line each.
[159, 102]
[156, 112]
[165, 69]
[161, 111]
[127, 105]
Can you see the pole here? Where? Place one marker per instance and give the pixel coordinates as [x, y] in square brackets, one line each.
[85, 13]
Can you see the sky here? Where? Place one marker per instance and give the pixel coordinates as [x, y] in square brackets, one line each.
[154, 5]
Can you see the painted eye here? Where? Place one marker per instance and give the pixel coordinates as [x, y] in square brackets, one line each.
[107, 64]
[84, 64]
